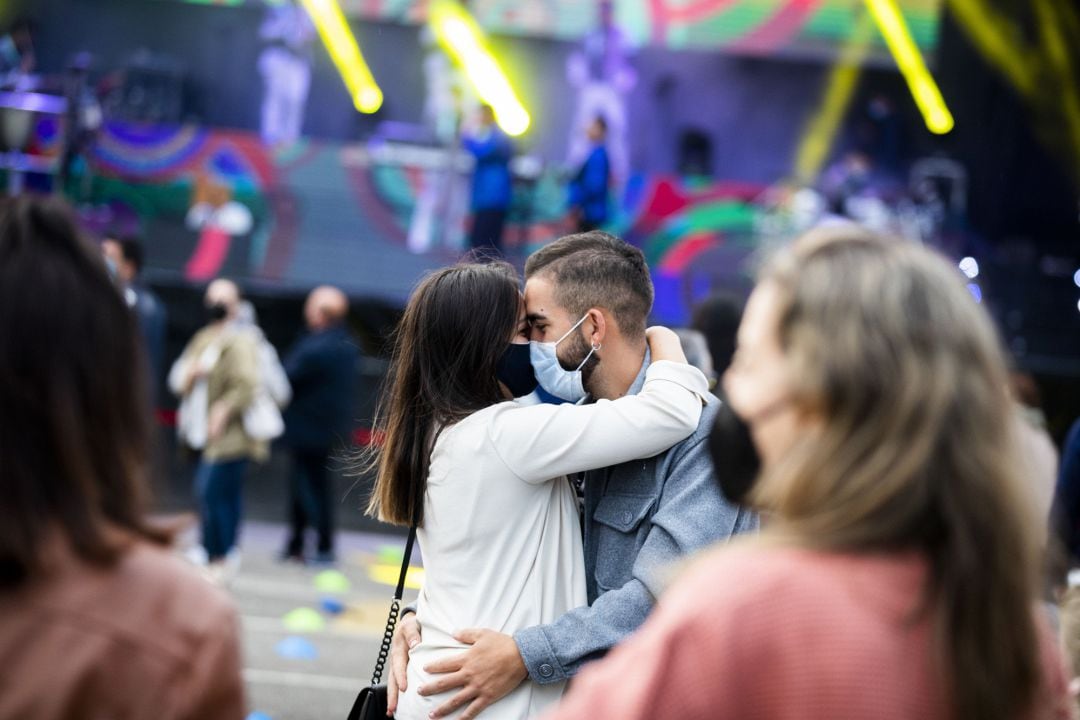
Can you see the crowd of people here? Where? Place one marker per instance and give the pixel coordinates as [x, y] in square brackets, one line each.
[233, 388]
[844, 526]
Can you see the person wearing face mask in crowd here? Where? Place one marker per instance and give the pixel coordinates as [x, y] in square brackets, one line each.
[896, 575]
[588, 297]
[217, 377]
[484, 478]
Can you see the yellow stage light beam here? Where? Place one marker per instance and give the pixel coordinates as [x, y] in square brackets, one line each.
[341, 44]
[1041, 71]
[1052, 28]
[992, 34]
[817, 140]
[459, 34]
[927, 96]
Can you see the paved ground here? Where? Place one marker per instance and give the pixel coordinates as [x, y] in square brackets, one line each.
[296, 670]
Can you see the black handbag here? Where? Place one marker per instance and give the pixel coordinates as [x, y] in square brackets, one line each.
[370, 703]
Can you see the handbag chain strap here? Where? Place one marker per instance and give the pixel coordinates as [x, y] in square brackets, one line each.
[395, 609]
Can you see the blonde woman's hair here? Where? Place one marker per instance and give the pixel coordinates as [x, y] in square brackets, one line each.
[915, 451]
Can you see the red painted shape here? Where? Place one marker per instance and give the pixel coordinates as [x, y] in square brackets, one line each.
[695, 12]
[678, 258]
[666, 200]
[663, 16]
[209, 255]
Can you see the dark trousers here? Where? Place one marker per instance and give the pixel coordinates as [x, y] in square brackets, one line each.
[309, 501]
[487, 229]
[219, 488]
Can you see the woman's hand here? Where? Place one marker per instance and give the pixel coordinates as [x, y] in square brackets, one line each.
[217, 421]
[664, 344]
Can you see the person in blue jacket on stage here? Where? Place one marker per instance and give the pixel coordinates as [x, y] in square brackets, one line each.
[492, 185]
[590, 187]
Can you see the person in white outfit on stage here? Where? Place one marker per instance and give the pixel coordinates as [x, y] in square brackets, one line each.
[285, 65]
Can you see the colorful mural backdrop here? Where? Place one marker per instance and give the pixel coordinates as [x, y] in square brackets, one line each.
[783, 27]
[212, 203]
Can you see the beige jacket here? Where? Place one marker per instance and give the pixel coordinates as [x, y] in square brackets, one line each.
[233, 380]
[147, 638]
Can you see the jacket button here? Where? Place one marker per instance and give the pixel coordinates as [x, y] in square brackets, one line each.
[627, 517]
[546, 670]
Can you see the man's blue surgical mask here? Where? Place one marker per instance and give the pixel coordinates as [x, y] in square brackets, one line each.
[560, 382]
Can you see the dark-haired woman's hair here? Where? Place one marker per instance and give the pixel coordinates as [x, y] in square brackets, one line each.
[456, 326]
[74, 421]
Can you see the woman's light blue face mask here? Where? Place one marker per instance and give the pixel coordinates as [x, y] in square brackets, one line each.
[552, 376]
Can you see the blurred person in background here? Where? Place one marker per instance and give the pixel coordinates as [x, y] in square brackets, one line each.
[97, 618]
[1065, 546]
[124, 256]
[263, 419]
[589, 189]
[717, 318]
[17, 58]
[899, 549]
[492, 186]
[1066, 511]
[217, 378]
[285, 66]
[602, 76]
[322, 371]
[697, 352]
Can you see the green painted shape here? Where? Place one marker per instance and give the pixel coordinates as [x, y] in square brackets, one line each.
[332, 581]
[720, 216]
[730, 24]
[285, 155]
[393, 188]
[302, 620]
[390, 555]
[836, 23]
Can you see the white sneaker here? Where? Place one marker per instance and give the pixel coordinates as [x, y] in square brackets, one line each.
[231, 565]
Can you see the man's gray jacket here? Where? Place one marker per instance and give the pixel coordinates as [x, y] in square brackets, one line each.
[641, 517]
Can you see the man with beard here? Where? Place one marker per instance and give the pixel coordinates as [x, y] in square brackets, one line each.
[590, 295]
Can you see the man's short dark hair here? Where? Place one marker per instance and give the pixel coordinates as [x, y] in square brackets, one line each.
[596, 269]
[132, 250]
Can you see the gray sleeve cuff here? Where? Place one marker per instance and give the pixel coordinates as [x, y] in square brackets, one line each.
[538, 656]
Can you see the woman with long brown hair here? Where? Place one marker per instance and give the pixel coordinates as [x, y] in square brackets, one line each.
[896, 577]
[483, 477]
[97, 618]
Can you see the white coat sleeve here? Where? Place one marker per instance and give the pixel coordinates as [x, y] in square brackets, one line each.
[542, 442]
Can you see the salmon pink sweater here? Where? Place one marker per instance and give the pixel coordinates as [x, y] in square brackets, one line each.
[782, 634]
